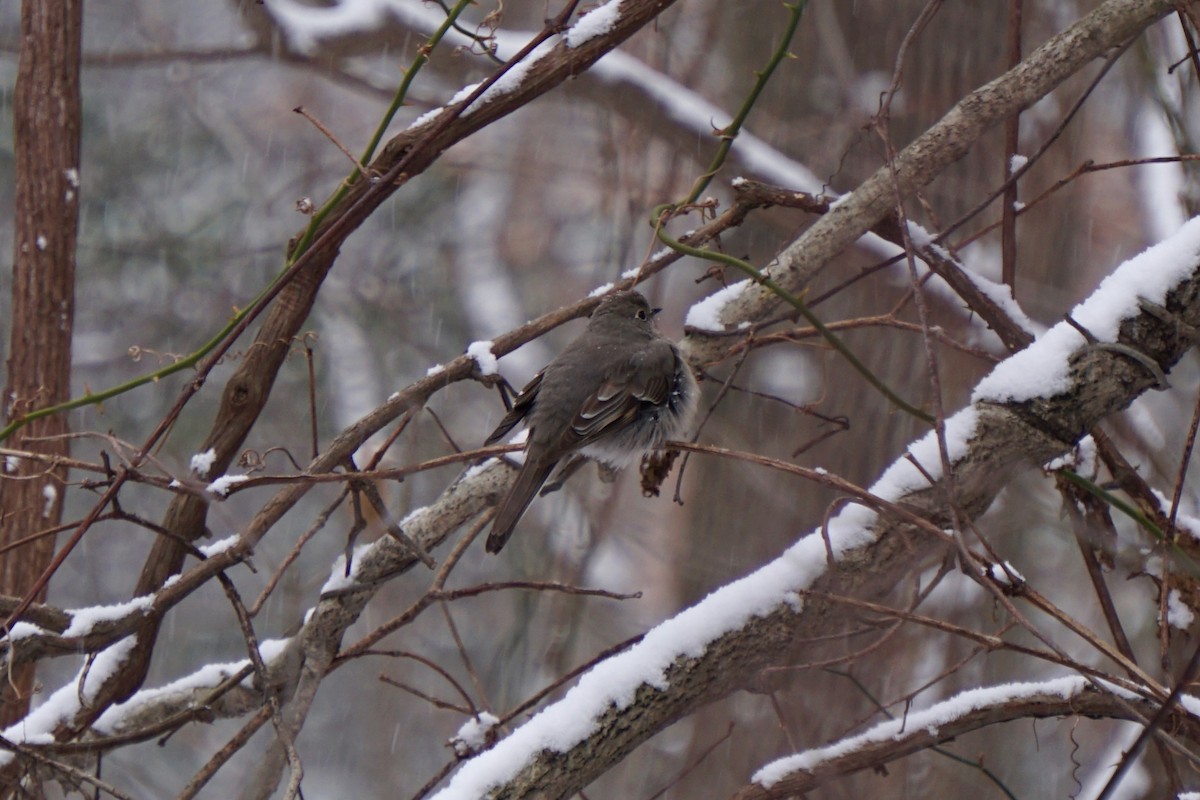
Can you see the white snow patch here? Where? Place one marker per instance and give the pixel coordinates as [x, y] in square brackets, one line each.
[202, 462]
[412, 515]
[65, 702]
[1188, 523]
[1041, 370]
[304, 24]
[223, 484]
[338, 579]
[1082, 459]
[1178, 614]
[484, 357]
[72, 176]
[511, 81]
[436, 369]
[1000, 574]
[428, 116]
[12, 464]
[271, 649]
[931, 719]
[616, 681]
[903, 476]
[219, 546]
[517, 457]
[976, 269]
[50, 493]
[1185, 516]
[23, 630]
[596, 22]
[463, 93]
[599, 290]
[84, 620]
[207, 677]
[477, 469]
[706, 314]
[191, 686]
[105, 665]
[473, 735]
[42, 242]
[1016, 163]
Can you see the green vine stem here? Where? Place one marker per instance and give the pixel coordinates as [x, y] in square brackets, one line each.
[795, 302]
[1129, 510]
[727, 135]
[397, 103]
[190, 360]
[94, 398]
[730, 131]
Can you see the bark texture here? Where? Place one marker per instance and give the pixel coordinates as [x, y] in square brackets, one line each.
[46, 121]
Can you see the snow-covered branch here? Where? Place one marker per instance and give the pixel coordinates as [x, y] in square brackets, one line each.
[1108, 26]
[1034, 406]
[941, 722]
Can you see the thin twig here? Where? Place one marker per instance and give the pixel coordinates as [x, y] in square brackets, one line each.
[695, 762]
[74, 773]
[219, 758]
[359, 168]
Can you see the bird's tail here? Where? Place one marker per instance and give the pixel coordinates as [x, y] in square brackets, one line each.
[529, 480]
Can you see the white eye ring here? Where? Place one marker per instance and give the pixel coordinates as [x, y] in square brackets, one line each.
[641, 313]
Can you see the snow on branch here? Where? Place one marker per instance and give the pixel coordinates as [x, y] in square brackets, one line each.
[1108, 26]
[591, 35]
[943, 721]
[64, 704]
[306, 26]
[694, 659]
[722, 643]
[404, 156]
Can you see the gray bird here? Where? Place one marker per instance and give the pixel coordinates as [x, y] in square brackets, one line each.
[616, 392]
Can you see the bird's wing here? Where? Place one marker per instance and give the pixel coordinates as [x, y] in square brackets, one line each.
[521, 408]
[643, 380]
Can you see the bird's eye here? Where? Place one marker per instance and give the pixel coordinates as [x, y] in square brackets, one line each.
[641, 313]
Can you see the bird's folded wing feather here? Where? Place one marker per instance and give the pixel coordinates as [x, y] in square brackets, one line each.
[645, 379]
[521, 408]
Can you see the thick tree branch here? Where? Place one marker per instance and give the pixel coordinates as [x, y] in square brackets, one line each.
[1109, 26]
[905, 736]
[245, 395]
[869, 562]
[47, 112]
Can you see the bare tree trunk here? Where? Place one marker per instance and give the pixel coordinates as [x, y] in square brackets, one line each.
[46, 121]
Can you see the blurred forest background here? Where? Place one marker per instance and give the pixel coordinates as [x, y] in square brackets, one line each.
[194, 161]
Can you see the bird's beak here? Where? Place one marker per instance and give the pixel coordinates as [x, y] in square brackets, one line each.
[654, 312]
